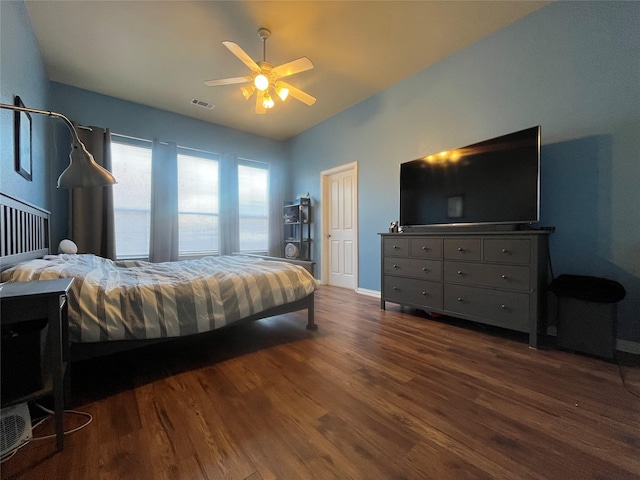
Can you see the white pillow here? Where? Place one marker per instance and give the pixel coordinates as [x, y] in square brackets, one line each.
[67, 246]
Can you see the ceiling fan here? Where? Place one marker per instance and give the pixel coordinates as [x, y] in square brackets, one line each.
[265, 79]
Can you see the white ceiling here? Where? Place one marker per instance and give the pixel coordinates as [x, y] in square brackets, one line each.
[159, 53]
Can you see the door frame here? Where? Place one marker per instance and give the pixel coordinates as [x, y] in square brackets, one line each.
[325, 193]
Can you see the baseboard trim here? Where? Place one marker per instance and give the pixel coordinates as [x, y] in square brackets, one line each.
[367, 292]
[628, 346]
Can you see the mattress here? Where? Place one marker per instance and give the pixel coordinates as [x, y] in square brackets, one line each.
[137, 300]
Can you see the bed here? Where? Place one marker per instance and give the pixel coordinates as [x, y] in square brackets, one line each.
[117, 305]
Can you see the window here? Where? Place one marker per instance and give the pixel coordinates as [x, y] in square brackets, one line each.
[253, 207]
[198, 204]
[131, 197]
[222, 207]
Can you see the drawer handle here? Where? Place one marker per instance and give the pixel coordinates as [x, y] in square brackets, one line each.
[395, 288]
[424, 293]
[395, 266]
[460, 249]
[424, 248]
[504, 250]
[503, 306]
[504, 277]
[460, 272]
[395, 247]
[424, 269]
[459, 299]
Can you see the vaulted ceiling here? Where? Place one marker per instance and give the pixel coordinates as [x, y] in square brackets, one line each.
[159, 53]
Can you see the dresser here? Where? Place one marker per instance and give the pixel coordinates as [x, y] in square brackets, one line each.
[496, 278]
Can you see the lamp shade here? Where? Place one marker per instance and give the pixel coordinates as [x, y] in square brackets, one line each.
[261, 82]
[83, 171]
[248, 91]
[267, 101]
[282, 92]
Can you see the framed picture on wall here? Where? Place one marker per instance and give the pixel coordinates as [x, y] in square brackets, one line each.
[22, 132]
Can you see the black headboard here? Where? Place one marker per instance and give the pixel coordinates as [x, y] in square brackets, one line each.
[24, 231]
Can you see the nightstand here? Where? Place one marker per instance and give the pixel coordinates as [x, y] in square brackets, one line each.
[44, 300]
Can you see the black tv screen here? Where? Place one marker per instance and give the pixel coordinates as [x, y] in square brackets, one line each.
[492, 182]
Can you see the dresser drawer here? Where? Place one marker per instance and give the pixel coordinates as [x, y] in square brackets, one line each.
[505, 250]
[411, 267]
[413, 292]
[508, 277]
[398, 247]
[426, 247]
[495, 307]
[462, 249]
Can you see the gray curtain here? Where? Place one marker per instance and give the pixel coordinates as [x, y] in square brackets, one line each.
[164, 203]
[91, 216]
[276, 201]
[228, 223]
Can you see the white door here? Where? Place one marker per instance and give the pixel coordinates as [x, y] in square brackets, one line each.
[340, 222]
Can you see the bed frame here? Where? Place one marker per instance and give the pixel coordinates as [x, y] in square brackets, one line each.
[25, 236]
[25, 231]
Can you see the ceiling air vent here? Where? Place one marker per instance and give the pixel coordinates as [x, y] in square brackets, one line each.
[202, 103]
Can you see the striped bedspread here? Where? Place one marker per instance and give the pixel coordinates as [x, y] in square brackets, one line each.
[140, 300]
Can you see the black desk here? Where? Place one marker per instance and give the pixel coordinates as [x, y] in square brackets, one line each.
[44, 299]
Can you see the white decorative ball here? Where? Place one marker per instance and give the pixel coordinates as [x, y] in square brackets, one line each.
[67, 246]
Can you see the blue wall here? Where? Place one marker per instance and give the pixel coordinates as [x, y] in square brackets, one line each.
[572, 67]
[22, 73]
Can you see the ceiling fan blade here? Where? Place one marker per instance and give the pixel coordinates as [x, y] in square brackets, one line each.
[259, 105]
[241, 54]
[302, 64]
[298, 94]
[227, 81]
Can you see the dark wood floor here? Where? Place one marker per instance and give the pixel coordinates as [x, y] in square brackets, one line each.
[371, 395]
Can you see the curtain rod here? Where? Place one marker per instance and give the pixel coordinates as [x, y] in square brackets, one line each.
[188, 148]
[137, 139]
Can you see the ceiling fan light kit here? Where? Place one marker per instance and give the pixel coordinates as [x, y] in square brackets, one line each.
[282, 92]
[265, 78]
[248, 91]
[261, 82]
[267, 101]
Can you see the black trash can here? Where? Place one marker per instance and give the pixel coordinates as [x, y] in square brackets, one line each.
[587, 313]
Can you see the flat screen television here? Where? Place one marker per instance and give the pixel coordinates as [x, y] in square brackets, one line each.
[494, 182]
